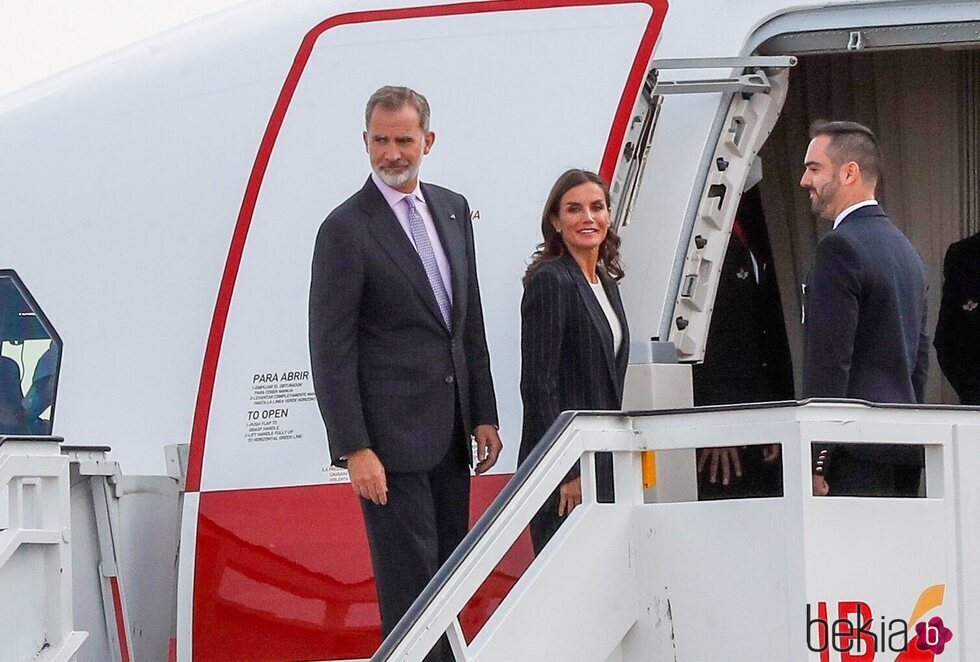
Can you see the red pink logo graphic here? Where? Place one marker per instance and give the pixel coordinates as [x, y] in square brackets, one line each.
[858, 636]
[932, 636]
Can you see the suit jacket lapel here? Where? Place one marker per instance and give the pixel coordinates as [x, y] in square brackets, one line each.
[450, 231]
[389, 233]
[595, 314]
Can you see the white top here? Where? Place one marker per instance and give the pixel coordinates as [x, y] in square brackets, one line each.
[841, 216]
[617, 328]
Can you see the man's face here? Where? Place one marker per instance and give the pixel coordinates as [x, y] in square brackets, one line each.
[396, 143]
[821, 178]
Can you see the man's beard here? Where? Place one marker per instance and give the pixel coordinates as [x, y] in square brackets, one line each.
[820, 202]
[397, 179]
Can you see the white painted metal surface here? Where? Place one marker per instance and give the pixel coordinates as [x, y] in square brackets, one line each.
[665, 386]
[149, 521]
[35, 553]
[747, 125]
[124, 559]
[184, 630]
[95, 559]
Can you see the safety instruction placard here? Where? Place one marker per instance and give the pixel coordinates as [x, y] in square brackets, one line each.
[273, 394]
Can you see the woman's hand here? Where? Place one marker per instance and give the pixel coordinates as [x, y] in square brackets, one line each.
[569, 496]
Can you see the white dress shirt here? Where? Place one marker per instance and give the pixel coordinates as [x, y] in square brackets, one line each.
[841, 216]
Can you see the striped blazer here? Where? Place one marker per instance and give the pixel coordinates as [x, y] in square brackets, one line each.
[567, 359]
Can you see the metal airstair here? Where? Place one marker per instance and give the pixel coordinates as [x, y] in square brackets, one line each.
[795, 577]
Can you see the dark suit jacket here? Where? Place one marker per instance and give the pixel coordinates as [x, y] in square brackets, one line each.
[567, 359]
[958, 330]
[386, 369]
[864, 332]
[747, 358]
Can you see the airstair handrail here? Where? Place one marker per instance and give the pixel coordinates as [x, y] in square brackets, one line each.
[506, 495]
[30, 437]
[776, 404]
[549, 444]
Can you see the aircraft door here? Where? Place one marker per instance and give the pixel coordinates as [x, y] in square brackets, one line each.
[750, 118]
[274, 562]
[751, 99]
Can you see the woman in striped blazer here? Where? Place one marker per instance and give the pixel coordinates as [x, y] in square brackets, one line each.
[574, 336]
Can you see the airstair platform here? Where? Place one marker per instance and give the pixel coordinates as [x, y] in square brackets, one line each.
[658, 575]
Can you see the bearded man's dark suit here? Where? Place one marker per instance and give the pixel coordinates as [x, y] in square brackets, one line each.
[958, 330]
[865, 338]
[390, 375]
[568, 363]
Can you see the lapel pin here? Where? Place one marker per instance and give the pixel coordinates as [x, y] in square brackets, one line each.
[970, 305]
[452, 217]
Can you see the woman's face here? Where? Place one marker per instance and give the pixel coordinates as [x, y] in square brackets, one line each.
[583, 217]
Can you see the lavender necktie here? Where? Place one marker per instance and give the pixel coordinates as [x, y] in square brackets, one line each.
[428, 257]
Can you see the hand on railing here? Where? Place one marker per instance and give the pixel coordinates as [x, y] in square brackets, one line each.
[728, 461]
[725, 459]
[569, 496]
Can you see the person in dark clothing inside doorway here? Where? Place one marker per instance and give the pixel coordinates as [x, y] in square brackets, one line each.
[747, 358]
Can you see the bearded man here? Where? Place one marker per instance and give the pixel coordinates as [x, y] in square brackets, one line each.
[400, 362]
[864, 328]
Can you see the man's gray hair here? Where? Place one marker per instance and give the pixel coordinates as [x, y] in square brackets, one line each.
[392, 98]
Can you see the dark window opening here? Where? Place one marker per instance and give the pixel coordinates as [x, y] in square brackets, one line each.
[30, 359]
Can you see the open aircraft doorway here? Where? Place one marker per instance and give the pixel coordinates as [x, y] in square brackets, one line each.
[918, 90]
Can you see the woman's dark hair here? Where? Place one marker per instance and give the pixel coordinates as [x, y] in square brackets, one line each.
[553, 247]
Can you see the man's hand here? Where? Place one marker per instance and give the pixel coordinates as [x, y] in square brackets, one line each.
[487, 446]
[569, 496]
[724, 458]
[770, 453]
[367, 476]
[820, 486]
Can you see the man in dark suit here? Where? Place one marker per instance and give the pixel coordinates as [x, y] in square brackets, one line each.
[864, 333]
[400, 362]
[958, 330]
